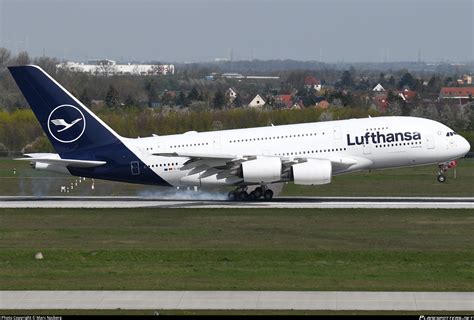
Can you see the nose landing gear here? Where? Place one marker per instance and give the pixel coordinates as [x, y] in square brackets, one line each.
[441, 178]
[443, 168]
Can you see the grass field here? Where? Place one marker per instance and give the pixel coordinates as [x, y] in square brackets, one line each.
[237, 249]
[416, 181]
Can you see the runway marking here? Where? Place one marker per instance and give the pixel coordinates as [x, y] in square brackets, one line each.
[238, 300]
[283, 202]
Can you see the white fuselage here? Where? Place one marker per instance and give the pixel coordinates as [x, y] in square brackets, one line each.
[369, 143]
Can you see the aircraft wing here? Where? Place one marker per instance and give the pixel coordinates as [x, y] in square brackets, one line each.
[202, 162]
[199, 162]
[53, 158]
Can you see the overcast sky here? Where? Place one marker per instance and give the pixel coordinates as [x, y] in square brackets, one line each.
[202, 30]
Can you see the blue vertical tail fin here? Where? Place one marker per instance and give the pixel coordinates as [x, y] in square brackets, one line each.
[70, 126]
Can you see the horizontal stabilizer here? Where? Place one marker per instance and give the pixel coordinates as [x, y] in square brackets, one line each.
[66, 162]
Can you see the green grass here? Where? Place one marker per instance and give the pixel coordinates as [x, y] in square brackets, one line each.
[237, 249]
[415, 181]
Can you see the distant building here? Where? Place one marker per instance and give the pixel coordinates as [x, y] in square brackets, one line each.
[311, 82]
[463, 94]
[322, 105]
[232, 76]
[378, 88]
[297, 105]
[256, 102]
[284, 100]
[263, 77]
[231, 94]
[467, 79]
[407, 95]
[241, 76]
[107, 67]
[381, 102]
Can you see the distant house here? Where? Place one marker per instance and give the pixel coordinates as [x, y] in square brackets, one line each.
[407, 95]
[322, 105]
[231, 94]
[463, 94]
[256, 102]
[298, 105]
[311, 82]
[378, 88]
[381, 102]
[467, 79]
[284, 100]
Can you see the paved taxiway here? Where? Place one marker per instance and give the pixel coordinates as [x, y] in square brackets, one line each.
[238, 300]
[279, 202]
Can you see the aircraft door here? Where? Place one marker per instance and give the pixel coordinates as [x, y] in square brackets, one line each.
[217, 143]
[430, 142]
[337, 132]
[135, 168]
[366, 148]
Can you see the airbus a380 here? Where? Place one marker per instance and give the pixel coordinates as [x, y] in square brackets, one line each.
[307, 154]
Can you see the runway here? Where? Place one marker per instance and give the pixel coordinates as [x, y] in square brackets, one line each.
[238, 300]
[279, 202]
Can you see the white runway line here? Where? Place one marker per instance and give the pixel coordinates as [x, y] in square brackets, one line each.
[238, 300]
[284, 202]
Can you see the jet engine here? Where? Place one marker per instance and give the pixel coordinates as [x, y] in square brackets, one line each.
[262, 170]
[312, 172]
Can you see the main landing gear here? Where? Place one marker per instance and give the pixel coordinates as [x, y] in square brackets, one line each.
[241, 194]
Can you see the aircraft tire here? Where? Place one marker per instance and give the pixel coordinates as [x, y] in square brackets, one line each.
[252, 196]
[268, 195]
[243, 195]
[258, 192]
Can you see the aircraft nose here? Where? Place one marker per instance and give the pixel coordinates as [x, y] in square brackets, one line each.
[464, 145]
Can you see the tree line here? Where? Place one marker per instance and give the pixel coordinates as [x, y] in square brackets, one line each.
[20, 131]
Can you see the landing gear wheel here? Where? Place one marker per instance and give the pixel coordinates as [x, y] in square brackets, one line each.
[243, 195]
[258, 192]
[252, 196]
[268, 195]
[232, 195]
[441, 178]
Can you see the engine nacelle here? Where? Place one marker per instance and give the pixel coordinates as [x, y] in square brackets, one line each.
[262, 170]
[49, 167]
[312, 172]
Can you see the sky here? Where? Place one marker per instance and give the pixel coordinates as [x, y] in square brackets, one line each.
[203, 30]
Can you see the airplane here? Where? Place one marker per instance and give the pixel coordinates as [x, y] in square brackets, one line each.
[307, 154]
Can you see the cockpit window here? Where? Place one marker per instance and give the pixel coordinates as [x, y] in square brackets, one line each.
[450, 134]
